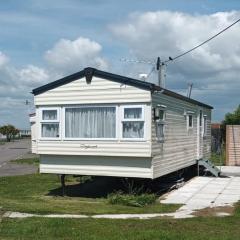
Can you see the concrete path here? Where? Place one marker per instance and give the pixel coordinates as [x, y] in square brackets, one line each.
[230, 170]
[198, 194]
[206, 192]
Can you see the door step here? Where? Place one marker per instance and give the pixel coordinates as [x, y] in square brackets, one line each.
[209, 166]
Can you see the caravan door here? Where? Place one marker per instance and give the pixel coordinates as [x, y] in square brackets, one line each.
[200, 134]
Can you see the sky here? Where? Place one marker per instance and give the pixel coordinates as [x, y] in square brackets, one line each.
[42, 41]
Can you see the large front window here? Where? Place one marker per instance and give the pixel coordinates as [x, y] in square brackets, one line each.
[90, 122]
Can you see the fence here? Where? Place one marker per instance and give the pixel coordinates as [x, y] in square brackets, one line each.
[233, 145]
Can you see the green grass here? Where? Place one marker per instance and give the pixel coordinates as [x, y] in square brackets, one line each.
[2, 141]
[218, 160]
[41, 194]
[136, 200]
[30, 194]
[31, 161]
[201, 228]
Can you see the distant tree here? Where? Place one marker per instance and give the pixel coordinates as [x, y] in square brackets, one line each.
[9, 131]
[232, 118]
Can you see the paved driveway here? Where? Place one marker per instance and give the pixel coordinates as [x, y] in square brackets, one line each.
[11, 151]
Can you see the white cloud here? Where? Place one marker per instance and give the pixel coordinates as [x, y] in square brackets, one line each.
[213, 68]
[70, 56]
[66, 57]
[3, 59]
[33, 76]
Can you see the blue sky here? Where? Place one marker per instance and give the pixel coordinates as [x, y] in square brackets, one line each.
[36, 35]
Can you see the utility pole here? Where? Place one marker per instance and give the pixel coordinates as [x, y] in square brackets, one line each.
[160, 71]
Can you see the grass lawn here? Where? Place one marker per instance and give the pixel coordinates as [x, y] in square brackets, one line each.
[42, 194]
[200, 228]
[31, 161]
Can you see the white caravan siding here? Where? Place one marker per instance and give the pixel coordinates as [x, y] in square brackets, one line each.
[100, 91]
[95, 148]
[98, 166]
[179, 149]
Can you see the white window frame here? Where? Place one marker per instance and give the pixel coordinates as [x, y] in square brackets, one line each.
[188, 126]
[57, 121]
[89, 139]
[122, 120]
[162, 122]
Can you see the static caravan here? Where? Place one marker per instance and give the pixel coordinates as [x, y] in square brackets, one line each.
[98, 123]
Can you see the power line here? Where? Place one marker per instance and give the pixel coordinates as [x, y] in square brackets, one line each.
[209, 39]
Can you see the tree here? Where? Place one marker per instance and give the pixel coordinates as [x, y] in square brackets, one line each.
[233, 118]
[9, 131]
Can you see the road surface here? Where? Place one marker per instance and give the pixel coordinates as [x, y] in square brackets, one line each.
[11, 151]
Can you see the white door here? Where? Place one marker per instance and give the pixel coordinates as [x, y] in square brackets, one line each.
[200, 135]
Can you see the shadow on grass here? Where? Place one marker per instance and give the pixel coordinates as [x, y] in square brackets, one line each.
[100, 187]
[96, 187]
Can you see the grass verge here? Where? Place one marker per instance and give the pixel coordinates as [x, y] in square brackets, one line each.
[41, 194]
[213, 228]
[30, 161]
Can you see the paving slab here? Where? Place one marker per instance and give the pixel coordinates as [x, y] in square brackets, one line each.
[211, 192]
[230, 170]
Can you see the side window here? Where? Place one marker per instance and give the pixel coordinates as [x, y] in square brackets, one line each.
[200, 118]
[49, 121]
[133, 122]
[159, 117]
[189, 121]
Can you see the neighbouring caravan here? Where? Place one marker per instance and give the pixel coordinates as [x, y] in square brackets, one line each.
[32, 117]
[103, 124]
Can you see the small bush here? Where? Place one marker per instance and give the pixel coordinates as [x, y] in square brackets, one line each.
[131, 199]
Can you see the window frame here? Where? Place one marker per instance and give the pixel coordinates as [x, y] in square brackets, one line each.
[122, 119]
[89, 139]
[188, 126]
[162, 122]
[55, 121]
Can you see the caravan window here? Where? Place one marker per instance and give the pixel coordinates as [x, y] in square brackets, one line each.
[160, 131]
[159, 116]
[90, 122]
[133, 122]
[189, 121]
[49, 123]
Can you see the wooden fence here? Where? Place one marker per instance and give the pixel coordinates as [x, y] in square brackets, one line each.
[233, 145]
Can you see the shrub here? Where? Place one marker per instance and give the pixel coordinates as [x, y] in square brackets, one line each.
[131, 199]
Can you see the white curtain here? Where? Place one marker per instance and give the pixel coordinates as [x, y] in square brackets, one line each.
[49, 114]
[50, 130]
[133, 129]
[90, 122]
[131, 113]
